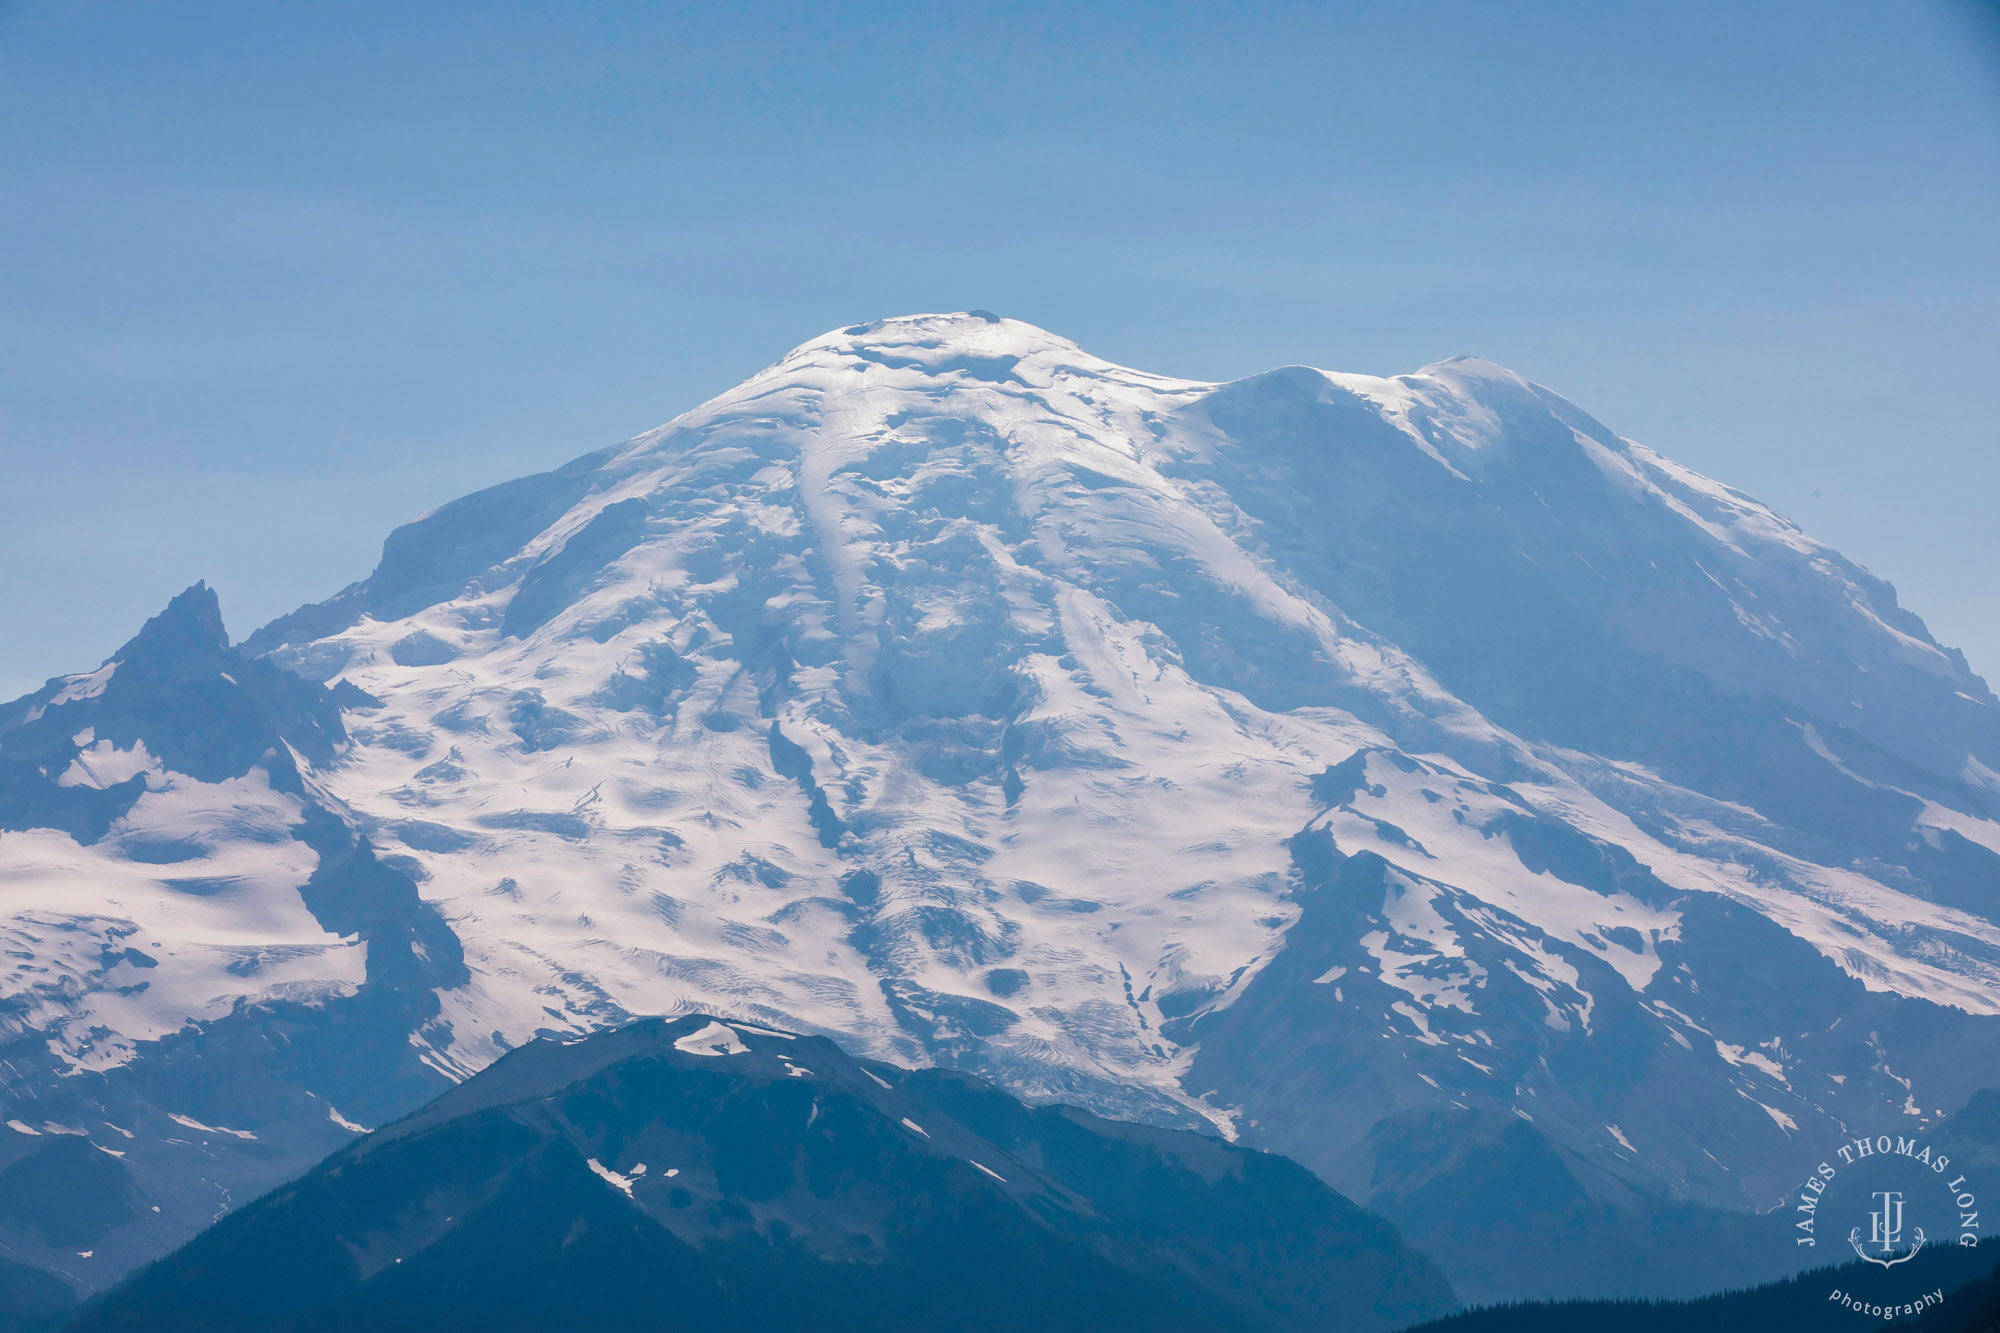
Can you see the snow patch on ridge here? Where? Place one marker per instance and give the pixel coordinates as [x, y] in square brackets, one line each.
[715, 1039]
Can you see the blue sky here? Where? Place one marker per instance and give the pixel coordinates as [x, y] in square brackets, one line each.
[278, 277]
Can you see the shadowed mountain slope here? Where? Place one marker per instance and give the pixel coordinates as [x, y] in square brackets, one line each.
[697, 1174]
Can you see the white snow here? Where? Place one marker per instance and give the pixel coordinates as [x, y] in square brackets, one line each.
[224, 926]
[921, 500]
[621, 1183]
[763, 1032]
[1148, 841]
[103, 764]
[1749, 1059]
[1970, 827]
[192, 1123]
[1160, 802]
[1779, 1118]
[90, 686]
[714, 1039]
[346, 1124]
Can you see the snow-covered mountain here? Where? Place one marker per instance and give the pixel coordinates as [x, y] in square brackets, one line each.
[1384, 770]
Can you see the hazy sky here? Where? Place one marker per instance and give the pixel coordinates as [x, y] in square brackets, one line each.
[275, 278]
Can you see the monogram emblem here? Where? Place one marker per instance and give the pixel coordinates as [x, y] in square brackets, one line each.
[1885, 1231]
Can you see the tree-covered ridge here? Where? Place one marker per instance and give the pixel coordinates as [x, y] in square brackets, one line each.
[1960, 1285]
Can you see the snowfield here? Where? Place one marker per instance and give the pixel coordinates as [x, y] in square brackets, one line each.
[951, 691]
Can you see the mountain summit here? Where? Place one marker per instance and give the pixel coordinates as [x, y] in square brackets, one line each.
[1397, 773]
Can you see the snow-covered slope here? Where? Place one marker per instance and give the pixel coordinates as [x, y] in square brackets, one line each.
[948, 689]
[208, 971]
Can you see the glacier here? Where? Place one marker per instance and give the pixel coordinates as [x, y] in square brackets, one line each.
[1376, 770]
